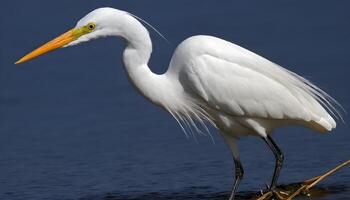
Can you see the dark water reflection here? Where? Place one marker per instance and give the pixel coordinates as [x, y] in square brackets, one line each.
[205, 193]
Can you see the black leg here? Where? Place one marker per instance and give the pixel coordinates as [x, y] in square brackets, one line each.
[238, 177]
[279, 160]
[231, 141]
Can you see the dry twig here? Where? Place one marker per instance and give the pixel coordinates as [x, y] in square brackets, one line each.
[303, 188]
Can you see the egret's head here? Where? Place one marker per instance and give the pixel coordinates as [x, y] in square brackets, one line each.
[98, 23]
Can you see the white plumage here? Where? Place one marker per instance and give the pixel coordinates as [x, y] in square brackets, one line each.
[232, 82]
[209, 79]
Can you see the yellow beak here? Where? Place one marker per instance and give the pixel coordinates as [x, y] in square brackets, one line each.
[56, 43]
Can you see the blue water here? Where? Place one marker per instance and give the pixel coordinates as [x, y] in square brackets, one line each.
[73, 127]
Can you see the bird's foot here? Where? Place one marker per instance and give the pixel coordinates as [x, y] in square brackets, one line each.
[279, 194]
[274, 194]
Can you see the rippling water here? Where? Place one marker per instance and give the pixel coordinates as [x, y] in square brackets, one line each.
[72, 126]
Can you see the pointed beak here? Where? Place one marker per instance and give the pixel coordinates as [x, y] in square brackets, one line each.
[56, 43]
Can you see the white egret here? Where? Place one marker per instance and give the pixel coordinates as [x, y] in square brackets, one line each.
[211, 80]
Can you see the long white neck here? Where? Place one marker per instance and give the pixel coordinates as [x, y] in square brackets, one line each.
[136, 57]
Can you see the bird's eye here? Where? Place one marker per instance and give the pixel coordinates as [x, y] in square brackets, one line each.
[91, 26]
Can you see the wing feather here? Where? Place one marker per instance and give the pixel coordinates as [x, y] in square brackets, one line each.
[236, 81]
[240, 91]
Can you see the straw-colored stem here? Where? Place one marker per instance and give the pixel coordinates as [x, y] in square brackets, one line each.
[304, 186]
